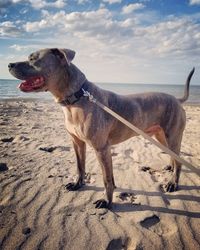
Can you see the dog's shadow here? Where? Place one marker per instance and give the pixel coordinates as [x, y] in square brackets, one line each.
[126, 206]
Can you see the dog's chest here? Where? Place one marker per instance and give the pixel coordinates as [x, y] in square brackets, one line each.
[74, 123]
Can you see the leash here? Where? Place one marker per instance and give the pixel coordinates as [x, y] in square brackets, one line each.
[140, 132]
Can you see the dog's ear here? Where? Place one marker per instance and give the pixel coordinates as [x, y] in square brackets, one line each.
[68, 54]
[65, 55]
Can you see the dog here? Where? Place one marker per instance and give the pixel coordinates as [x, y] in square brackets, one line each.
[157, 114]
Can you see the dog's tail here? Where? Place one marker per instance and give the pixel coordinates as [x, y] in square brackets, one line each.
[187, 87]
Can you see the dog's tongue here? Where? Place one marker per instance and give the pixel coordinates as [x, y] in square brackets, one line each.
[32, 84]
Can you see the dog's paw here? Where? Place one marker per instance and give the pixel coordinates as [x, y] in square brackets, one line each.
[101, 204]
[170, 187]
[73, 186]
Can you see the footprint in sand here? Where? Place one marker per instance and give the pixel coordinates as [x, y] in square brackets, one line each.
[16, 139]
[128, 197]
[51, 149]
[50, 176]
[26, 230]
[168, 168]
[47, 149]
[118, 244]
[150, 221]
[144, 168]
[3, 167]
[153, 223]
[7, 139]
[155, 175]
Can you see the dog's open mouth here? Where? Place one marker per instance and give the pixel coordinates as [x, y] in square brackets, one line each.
[32, 84]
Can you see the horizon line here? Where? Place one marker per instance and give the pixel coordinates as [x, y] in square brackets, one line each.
[128, 83]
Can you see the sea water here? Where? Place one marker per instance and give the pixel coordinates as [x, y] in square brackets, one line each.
[9, 90]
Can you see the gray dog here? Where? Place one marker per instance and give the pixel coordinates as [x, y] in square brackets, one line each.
[157, 114]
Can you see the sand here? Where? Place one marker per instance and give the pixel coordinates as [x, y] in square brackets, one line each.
[37, 212]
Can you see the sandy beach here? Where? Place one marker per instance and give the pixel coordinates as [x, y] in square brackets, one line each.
[37, 212]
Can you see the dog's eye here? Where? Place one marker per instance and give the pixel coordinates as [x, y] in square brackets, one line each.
[33, 57]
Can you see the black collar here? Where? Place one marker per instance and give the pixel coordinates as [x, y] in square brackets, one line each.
[69, 100]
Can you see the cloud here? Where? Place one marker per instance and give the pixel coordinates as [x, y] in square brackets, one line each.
[23, 48]
[72, 22]
[37, 26]
[121, 43]
[39, 4]
[194, 2]
[82, 1]
[16, 47]
[132, 7]
[9, 29]
[120, 37]
[111, 45]
[112, 1]
[36, 4]
[172, 38]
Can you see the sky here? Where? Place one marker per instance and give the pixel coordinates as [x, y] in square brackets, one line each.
[118, 41]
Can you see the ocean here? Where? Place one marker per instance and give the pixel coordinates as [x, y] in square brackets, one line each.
[9, 90]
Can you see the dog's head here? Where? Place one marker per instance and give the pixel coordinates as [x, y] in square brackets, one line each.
[42, 69]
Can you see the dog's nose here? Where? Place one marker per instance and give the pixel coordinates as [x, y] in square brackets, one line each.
[11, 65]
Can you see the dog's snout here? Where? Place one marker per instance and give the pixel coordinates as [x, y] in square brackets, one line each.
[11, 65]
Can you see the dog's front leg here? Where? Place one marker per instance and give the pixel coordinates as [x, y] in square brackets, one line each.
[105, 160]
[80, 149]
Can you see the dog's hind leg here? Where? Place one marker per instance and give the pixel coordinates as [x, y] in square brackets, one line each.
[160, 136]
[105, 160]
[80, 151]
[173, 143]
